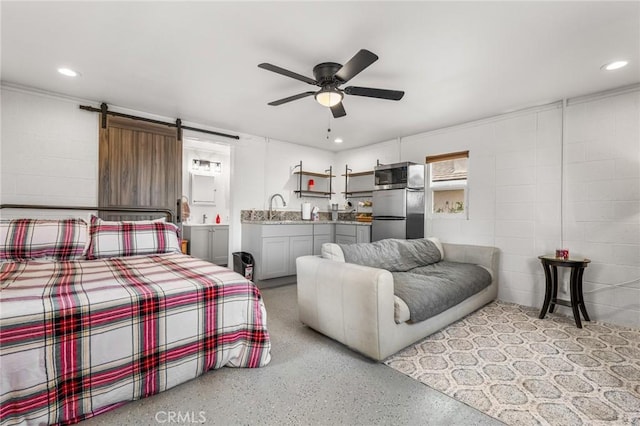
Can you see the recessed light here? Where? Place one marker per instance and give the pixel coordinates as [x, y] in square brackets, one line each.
[337, 140]
[614, 65]
[68, 72]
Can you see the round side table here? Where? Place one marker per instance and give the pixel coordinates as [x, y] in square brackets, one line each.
[550, 265]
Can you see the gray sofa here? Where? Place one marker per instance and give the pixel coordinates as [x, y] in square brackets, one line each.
[355, 304]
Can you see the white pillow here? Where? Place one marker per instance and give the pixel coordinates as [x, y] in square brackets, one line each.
[438, 244]
[332, 251]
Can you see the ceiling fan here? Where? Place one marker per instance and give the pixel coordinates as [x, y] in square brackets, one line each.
[329, 76]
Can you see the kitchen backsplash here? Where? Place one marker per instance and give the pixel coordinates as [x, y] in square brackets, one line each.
[248, 215]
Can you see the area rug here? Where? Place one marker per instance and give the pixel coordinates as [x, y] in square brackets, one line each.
[521, 370]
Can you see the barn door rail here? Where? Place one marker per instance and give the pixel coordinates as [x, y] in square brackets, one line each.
[104, 111]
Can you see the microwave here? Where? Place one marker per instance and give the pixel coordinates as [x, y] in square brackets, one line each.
[399, 175]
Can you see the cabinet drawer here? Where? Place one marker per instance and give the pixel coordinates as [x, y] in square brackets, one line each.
[342, 229]
[323, 229]
[345, 239]
[286, 230]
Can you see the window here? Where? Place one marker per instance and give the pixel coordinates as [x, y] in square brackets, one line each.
[448, 183]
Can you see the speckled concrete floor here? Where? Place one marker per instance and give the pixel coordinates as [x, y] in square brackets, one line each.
[311, 380]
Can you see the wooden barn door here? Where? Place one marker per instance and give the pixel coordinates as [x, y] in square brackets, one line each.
[140, 165]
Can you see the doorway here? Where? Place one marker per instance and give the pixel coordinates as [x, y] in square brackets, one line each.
[206, 180]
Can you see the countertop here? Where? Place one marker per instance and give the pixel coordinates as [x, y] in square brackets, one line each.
[204, 224]
[305, 222]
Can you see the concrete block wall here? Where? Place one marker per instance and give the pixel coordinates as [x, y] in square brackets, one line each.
[602, 201]
[538, 183]
[532, 188]
[49, 150]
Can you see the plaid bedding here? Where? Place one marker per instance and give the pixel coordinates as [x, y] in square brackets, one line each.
[80, 337]
[131, 238]
[30, 239]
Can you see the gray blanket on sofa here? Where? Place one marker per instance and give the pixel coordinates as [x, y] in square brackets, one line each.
[394, 255]
[427, 285]
[432, 289]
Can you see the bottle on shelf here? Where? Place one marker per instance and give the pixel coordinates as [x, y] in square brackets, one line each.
[217, 218]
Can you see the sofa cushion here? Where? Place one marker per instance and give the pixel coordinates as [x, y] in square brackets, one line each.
[394, 255]
[332, 251]
[432, 289]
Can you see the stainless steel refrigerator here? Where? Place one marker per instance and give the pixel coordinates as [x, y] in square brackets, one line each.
[398, 213]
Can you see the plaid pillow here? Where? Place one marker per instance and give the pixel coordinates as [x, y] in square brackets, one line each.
[30, 239]
[131, 238]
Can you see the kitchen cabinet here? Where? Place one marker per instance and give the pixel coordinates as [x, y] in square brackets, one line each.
[208, 242]
[275, 247]
[363, 233]
[322, 233]
[274, 258]
[322, 189]
[351, 234]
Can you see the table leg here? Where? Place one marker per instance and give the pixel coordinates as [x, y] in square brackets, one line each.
[583, 308]
[554, 288]
[547, 291]
[575, 296]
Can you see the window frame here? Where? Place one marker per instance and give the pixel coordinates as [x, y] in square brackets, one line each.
[447, 185]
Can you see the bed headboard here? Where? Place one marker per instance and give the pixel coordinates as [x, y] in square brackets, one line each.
[107, 213]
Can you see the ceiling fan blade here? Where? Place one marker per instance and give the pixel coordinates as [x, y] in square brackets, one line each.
[393, 95]
[291, 98]
[338, 110]
[277, 69]
[355, 65]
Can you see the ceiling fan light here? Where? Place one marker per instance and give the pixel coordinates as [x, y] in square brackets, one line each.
[611, 66]
[329, 97]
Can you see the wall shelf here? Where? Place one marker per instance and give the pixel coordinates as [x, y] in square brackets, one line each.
[349, 174]
[313, 193]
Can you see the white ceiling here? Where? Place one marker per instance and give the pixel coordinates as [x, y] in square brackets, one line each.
[456, 61]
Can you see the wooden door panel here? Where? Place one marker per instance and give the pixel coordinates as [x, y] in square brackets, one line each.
[140, 165]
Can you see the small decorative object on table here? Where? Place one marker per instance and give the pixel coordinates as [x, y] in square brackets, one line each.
[562, 254]
[550, 265]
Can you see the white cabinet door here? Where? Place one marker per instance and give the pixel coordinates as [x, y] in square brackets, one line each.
[322, 233]
[200, 242]
[345, 239]
[275, 257]
[299, 246]
[363, 234]
[220, 245]
[346, 234]
[318, 241]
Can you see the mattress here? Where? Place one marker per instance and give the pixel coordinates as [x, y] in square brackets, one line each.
[80, 337]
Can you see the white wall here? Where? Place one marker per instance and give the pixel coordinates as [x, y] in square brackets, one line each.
[263, 167]
[49, 150]
[362, 160]
[602, 201]
[531, 190]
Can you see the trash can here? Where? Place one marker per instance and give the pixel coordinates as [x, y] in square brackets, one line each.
[243, 264]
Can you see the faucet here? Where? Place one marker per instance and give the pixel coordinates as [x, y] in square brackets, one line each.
[204, 218]
[284, 204]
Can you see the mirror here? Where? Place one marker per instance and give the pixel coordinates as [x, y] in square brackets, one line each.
[203, 190]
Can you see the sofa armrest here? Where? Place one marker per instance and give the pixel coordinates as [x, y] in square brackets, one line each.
[346, 302]
[485, 256]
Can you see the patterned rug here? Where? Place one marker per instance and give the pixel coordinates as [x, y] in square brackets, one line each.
[521, 370]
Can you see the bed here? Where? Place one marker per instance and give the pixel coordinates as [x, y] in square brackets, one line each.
[95, 313]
